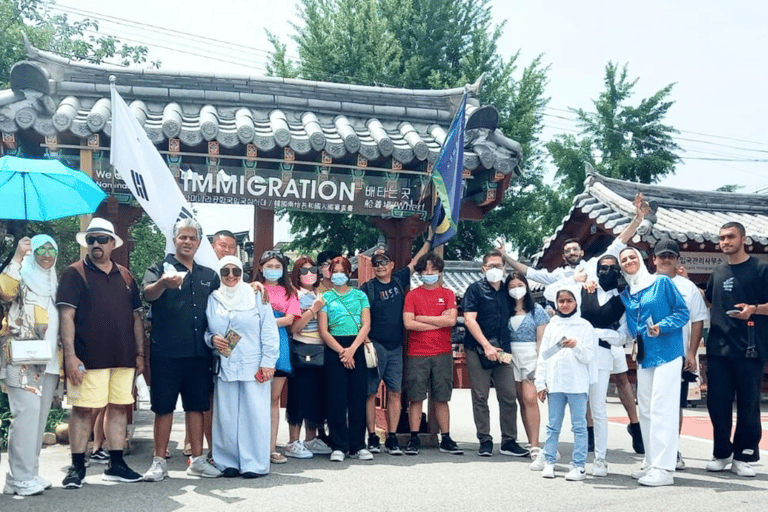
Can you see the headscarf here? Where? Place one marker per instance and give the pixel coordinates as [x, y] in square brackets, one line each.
[41, 281]
[240, 297]
[608, 280]
[641, 279]
[575, 309]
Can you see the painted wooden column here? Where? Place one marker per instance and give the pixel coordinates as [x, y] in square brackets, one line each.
[400, 235]
[263, 233]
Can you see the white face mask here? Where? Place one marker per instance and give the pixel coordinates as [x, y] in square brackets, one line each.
[494, 275]
[517, 292]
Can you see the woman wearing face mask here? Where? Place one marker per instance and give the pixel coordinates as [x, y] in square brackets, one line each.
[306, 388]
[285, 305]
[526, 326]
[241, 405]
[29, 283]
[563, 375]
[324, 271]
[344, 323]
[656, 314]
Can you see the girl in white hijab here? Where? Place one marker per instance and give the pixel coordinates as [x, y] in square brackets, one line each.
[29, 283]
[243, 331]
[656, 314]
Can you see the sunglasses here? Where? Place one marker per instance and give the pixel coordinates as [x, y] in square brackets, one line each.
[46, 251]
[102, 239]
[380, 262]
[307, 270]
[237, 272]
[271, 254]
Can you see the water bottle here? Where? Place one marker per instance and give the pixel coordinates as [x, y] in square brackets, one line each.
[73, 392]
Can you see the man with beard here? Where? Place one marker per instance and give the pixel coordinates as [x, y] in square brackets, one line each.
[737, 348]
[666, 256]
[102, 333]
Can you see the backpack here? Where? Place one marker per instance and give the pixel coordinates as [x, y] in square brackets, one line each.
[370, 289]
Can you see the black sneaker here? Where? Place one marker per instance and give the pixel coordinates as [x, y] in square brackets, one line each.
[374, 444]
[391, 446]
[100, 456]
[486, 449]
[510, 447]
[412, 448]
[74, 478]
[448, 445]
[637, 438]
[120, 473]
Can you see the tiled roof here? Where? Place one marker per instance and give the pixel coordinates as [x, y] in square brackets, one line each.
[55, 96]
[683, 215]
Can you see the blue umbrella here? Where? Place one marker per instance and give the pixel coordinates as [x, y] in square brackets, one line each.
[44, 190]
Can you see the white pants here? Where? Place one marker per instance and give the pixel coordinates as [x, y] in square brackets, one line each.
[597, 396]
[25, 435]
[658, 405]
[242, 425]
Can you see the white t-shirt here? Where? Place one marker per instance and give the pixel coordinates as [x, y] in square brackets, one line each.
[697, 308]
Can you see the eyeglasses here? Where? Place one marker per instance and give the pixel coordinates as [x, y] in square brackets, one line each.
[380, 262]
[498, 267]
[102, 239]
[307, 270]
[46, 251]
[237, 272]
[271, 254]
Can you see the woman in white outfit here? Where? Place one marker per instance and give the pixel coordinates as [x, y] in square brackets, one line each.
[656, 314]
[241, 402]
[29, 282]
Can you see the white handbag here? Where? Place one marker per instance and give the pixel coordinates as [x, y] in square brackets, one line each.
[30, 352]
[371, 359]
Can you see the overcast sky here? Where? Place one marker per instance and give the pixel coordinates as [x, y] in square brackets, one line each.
[714, 51]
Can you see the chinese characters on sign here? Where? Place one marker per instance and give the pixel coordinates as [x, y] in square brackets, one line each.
[705, 262]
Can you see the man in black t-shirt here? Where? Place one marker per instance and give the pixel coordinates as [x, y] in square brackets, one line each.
[737, 348]
[386, 294]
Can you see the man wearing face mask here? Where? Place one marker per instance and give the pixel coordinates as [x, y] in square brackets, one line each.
[386, 295]
[601, 306]
[486, 315]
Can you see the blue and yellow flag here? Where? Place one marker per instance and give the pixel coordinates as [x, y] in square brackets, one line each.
[447, 180]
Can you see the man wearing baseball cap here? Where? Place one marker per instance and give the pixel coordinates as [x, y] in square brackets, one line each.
[103, 337]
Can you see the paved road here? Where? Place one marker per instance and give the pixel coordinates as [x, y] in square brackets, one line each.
[429, 481]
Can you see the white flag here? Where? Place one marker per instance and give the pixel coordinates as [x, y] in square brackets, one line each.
[150, 180]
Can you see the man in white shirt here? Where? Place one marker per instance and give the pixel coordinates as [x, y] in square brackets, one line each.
[666, 259]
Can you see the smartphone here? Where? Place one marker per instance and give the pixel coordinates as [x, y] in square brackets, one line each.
[260, 376]
[733, 312]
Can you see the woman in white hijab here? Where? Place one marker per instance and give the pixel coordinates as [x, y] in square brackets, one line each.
[29, 283]
[242, 330]
[656, 314]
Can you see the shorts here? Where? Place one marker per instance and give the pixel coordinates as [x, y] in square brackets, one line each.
[684, 394]
[524, 359]
[188, 376]
[433, 372]
[101, 387]
[390, 369]
[619, 360]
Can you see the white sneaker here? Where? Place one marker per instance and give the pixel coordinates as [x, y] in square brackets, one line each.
[548, 471]
[657, 477]
[337, 456]
[199, 466]
[362, 454]
[538, 461]
[714, 464]
[157, 471]
[318, 446]
[576, 474]
[22, 487]
[297, 450]
[680, 463]
[42, 481]
[741, 468]
[599, 468]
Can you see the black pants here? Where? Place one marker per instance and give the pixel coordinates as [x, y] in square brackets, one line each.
[726, 377]
[347, 395]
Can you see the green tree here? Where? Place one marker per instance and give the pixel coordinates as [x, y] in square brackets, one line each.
[416, 44]
[619, 140]
[59, 34]
[149, 247]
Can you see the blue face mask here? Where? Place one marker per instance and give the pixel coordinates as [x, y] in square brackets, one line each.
[339, 278]
[429, 278]
[273, 274]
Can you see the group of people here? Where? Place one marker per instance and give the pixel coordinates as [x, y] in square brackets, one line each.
[229, 345]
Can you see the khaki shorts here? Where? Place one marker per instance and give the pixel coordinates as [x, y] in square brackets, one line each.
[524, 359]
[433, 373]
[101, 387]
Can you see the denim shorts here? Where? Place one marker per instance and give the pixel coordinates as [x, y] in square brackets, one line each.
[390, 369]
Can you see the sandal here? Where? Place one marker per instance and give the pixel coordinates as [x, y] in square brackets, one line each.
[277, 458]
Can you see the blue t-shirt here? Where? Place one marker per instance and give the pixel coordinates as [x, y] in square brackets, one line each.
[527, 330]
[665, 306]
[345, 312]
